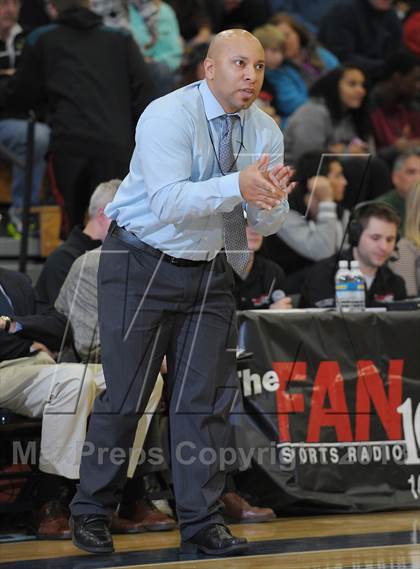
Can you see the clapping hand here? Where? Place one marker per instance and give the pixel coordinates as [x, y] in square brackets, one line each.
[265, 188]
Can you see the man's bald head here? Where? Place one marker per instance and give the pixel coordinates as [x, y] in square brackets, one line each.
[224, 39]
[234, 69]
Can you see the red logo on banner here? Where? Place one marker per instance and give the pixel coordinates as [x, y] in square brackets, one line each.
[328, 405]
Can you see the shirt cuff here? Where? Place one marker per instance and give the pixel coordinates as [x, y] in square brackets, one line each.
[229, 188]
[19, 327]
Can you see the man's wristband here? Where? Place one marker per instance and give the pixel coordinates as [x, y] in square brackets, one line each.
[7, 322]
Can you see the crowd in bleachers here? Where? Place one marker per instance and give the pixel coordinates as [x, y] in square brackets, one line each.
[342, 81]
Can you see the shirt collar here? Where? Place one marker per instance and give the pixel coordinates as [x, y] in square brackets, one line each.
[15, 31]
[3, 290]
[212, 107]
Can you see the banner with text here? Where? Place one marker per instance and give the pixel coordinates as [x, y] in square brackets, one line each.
[332, 405]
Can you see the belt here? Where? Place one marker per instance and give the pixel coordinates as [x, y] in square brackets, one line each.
[133, 241]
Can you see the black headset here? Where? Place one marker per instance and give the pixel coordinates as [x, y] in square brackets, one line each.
[355, 228]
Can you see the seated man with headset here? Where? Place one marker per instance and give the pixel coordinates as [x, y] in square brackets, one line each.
[373, 236]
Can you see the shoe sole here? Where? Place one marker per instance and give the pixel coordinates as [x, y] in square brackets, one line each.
[54, 537]
[96, 550]
[262, 519]
[163, 527]
[128, 531]
[190, 551]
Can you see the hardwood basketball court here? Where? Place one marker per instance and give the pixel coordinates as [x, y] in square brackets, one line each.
[387, 540]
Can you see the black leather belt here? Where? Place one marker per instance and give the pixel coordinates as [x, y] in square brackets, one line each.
[130, 239]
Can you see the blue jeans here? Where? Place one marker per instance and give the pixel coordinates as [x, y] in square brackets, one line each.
[13, 137]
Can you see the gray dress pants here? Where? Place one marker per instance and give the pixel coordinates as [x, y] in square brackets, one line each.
[149, 308]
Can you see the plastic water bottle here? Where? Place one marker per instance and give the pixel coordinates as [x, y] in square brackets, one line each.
[343, 286]
[358, 288]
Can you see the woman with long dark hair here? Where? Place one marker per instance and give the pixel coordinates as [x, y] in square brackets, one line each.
[335, 118]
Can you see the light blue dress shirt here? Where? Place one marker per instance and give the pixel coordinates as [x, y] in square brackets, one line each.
[174, 195]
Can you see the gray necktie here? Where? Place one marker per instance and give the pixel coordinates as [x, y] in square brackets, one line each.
[234, 232]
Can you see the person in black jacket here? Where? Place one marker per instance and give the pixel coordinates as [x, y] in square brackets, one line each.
[194, 20]
[96, 84]
[249, 14]
[373, 234]
[33, 13]
[80, 240]
[263, 284]
[40, 329]
[32, 384]
[362, 32]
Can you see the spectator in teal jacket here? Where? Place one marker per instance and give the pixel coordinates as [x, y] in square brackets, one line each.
[155, 28]
[305, 62]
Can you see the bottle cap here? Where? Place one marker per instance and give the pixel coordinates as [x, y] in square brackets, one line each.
[354, 264]
[343, 264]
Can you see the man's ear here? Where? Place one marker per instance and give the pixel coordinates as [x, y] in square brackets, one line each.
[208, 65]
[100, 214]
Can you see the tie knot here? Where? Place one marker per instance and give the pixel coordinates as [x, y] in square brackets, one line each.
[229, 123]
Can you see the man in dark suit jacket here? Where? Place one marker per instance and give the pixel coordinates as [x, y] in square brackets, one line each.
[32, 384]
[36, 331]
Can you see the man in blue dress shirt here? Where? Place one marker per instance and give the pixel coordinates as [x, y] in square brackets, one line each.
[204, 154]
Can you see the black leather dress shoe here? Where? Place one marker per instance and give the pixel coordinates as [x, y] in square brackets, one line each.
[215, 539]
[91, 533]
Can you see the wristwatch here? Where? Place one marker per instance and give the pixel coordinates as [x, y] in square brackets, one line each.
[7, 322]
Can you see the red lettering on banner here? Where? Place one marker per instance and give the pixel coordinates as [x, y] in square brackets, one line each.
[288, 402]
[370, 389]
[329, 381]
[329, 387]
